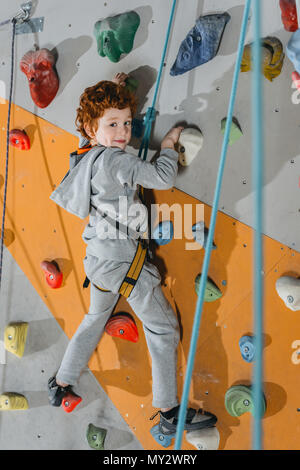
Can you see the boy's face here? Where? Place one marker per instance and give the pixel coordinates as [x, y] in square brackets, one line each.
[114, 128]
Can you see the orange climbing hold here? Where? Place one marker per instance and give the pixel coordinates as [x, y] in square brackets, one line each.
[19, 139]
[70, 401]
[122, 326]
[54, 276]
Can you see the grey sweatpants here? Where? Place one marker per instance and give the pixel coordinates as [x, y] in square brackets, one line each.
[159, 323]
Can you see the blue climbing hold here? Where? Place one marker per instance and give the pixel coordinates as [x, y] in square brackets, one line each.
[163, 232]
[247, 348]
[200, 234]
[163, 439]
[201, 44]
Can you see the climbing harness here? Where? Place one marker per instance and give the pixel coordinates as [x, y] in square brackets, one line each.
[142, 247]
[133, 272]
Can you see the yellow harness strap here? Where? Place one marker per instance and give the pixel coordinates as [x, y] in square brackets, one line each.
[133, 272]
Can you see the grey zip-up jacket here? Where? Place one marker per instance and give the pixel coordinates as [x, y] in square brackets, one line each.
[102, 185]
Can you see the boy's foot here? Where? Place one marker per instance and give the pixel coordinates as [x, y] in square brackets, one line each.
[56, 393]
[194, 420]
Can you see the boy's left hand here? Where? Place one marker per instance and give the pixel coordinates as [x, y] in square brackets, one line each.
[120, 78]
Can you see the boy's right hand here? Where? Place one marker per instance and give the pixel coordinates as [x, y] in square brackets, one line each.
[120, 78]
[171, 138]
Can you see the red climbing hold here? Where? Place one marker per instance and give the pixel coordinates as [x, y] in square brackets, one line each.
[122, 326]
[70, 401]
[38, 66]
[296, 79]
[19, 139]
[53, 274]
[289, 15]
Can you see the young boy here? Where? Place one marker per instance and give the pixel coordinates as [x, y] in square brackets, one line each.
[118, 265]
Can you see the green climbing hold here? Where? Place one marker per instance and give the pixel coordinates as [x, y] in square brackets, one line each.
[96, 437]
[235, 130]
[212, 292]
[239, 400]
[131, 84]
[115, 35]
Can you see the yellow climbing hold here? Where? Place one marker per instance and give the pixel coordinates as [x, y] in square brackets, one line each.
[13, 401]
[272, 57]
[15, 338]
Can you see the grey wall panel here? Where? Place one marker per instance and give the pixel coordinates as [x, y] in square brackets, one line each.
[199, 97]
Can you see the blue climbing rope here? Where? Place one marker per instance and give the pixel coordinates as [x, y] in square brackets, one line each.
[258, 172]
[13, 21]
[197, 319]
[150, 114]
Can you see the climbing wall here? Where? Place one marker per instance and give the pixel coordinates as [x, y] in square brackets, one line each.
[36, 229]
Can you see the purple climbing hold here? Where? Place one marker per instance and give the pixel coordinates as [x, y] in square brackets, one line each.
[201, 44]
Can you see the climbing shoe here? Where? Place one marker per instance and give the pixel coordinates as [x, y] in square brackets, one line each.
[194, 420]
[56, 393]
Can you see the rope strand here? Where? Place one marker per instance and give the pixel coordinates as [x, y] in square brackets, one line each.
[7, 141]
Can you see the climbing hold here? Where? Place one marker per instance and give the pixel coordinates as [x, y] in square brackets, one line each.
[70, 401]
[131, 84]
[189, 144]
[289, 15]
[204, 439]
[137, 127]
[272, 57]
[15, 335]
[54, 276]
[200, 234]
[212, 292]
[201, 43]
[39, 67]
[122, 326]
[296, 79]
[13, 401]
[164, 440]
[115, 35]
[247, 348]
[96, 437]
[19, 139]
[163, 232]
[239, 400]
[293, 50]
[288, 289]
[235, 130]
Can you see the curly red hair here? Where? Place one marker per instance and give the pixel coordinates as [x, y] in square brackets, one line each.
[96, 99]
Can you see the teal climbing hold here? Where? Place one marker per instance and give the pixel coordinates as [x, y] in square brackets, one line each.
[131, 84]
[239, 400]
[235, 130]
[212, 292]
[115, 35]
[247, 348]
[164, 440]
[96, 437]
